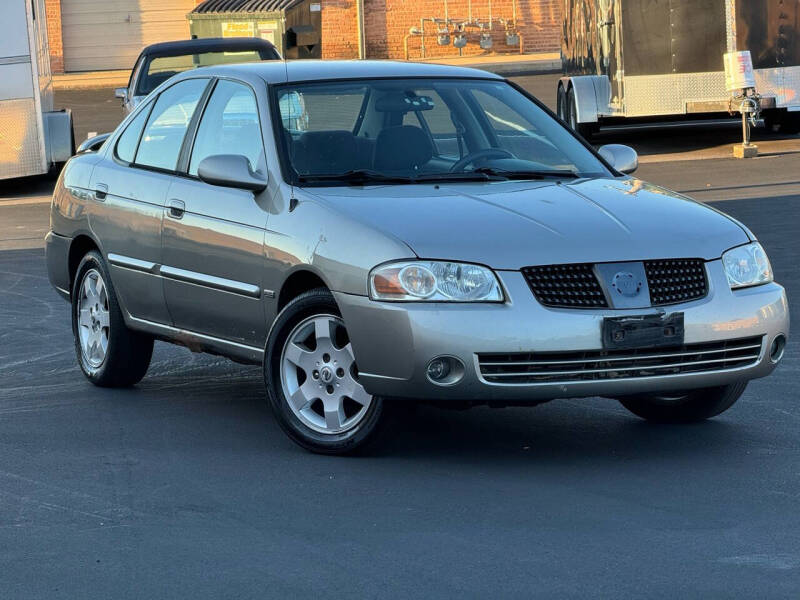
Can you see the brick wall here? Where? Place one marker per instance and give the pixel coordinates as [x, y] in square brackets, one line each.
[52, 9]
[387, 23]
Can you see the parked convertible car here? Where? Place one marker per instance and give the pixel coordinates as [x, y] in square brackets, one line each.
[420, 232]
[159, 62]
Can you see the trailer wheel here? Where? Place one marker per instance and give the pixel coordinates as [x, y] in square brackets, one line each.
[561, 104]
[586, 130]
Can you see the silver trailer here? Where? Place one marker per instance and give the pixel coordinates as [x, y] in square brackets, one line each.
[634, 59]
[34, 139]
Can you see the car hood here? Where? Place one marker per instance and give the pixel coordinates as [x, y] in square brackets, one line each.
[509, 225]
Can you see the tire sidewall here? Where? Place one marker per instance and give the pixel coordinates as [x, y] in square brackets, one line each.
[695, 405]
[315, 302]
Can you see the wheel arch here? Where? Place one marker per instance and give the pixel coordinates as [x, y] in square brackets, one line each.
[298, 282]
[81, 245]
[586, 89]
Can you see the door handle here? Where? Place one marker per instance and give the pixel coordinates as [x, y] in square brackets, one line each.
[176, 208]
[100, 191]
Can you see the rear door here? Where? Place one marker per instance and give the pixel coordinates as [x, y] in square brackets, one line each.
[130, 188]
[213, 237]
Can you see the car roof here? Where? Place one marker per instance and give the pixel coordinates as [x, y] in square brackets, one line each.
[321, 70]
[201, 45]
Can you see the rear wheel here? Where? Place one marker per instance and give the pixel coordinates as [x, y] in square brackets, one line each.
[109, 354]
[687, 407]
[312, 378]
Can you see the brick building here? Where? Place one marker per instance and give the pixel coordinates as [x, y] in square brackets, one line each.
[100, 35]
[387, 22]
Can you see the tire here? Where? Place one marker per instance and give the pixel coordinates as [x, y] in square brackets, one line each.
[561, 105]
[109, 354]
[585, 130]
[312, 381]
[689, 407]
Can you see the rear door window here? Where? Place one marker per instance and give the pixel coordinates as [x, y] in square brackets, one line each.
[126, 145]
[167, 125]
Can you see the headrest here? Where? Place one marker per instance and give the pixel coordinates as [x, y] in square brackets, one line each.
[403, 148]
[325, 152]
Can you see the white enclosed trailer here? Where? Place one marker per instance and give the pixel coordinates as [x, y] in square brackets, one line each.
[628, 60]
[34, 138]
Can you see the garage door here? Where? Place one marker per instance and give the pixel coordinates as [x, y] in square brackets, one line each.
[109, 34]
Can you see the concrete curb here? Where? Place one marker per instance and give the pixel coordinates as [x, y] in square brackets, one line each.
[90, 80]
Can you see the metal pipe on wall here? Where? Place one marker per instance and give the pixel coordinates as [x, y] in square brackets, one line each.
[362, 46]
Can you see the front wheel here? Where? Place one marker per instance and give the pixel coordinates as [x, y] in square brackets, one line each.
[686, 407]
[312, 378]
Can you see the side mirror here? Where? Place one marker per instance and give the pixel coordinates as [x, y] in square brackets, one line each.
[93, 143]
[121, 93]
[230, 170]
[623, 158]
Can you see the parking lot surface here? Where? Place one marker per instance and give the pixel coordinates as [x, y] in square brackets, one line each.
[184, 486]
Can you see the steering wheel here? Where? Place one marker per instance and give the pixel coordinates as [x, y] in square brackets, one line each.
[459, 165]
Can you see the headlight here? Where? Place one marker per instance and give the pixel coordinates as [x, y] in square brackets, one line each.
[747, 265]
[434, 281]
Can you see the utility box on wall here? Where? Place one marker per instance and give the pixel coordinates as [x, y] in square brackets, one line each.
[293, 26]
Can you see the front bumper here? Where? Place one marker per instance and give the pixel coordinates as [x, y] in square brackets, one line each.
[394, 342]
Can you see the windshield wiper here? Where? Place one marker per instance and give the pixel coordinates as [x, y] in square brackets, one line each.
[465, 176]
[548, 174]
[357, 176]
[364, 176]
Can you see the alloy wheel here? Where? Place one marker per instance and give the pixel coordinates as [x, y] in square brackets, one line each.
[94, 322]
[319, 376]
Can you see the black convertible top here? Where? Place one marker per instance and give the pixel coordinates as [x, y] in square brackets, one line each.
[201, 45]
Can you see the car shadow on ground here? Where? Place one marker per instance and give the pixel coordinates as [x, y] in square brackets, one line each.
[594, 431]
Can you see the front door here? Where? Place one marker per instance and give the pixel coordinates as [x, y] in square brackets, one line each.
[213, 237]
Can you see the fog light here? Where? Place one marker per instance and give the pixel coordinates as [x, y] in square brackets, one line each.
[445, 370]
[777, 348]
[438, 368]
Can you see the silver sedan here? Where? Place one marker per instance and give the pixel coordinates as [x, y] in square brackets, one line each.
[378, 233]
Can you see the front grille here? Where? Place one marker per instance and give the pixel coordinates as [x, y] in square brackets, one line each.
[593, 365]
[676, 280]
[573, 286]
[671, 281]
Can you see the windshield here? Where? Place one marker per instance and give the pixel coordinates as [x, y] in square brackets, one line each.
[161, 68]
[401, 130]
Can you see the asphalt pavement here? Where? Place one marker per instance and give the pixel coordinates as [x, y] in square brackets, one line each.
[184, 486]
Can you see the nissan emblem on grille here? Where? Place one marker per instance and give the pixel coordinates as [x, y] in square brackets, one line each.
[626, 284]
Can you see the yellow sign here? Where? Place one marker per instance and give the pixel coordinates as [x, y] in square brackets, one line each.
[237, 29]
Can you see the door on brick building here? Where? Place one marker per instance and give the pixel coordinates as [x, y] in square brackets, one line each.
[101, 35]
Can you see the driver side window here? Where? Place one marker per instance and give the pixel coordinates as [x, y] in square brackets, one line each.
[229, 125]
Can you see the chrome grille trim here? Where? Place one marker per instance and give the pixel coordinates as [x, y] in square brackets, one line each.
[592, 365]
